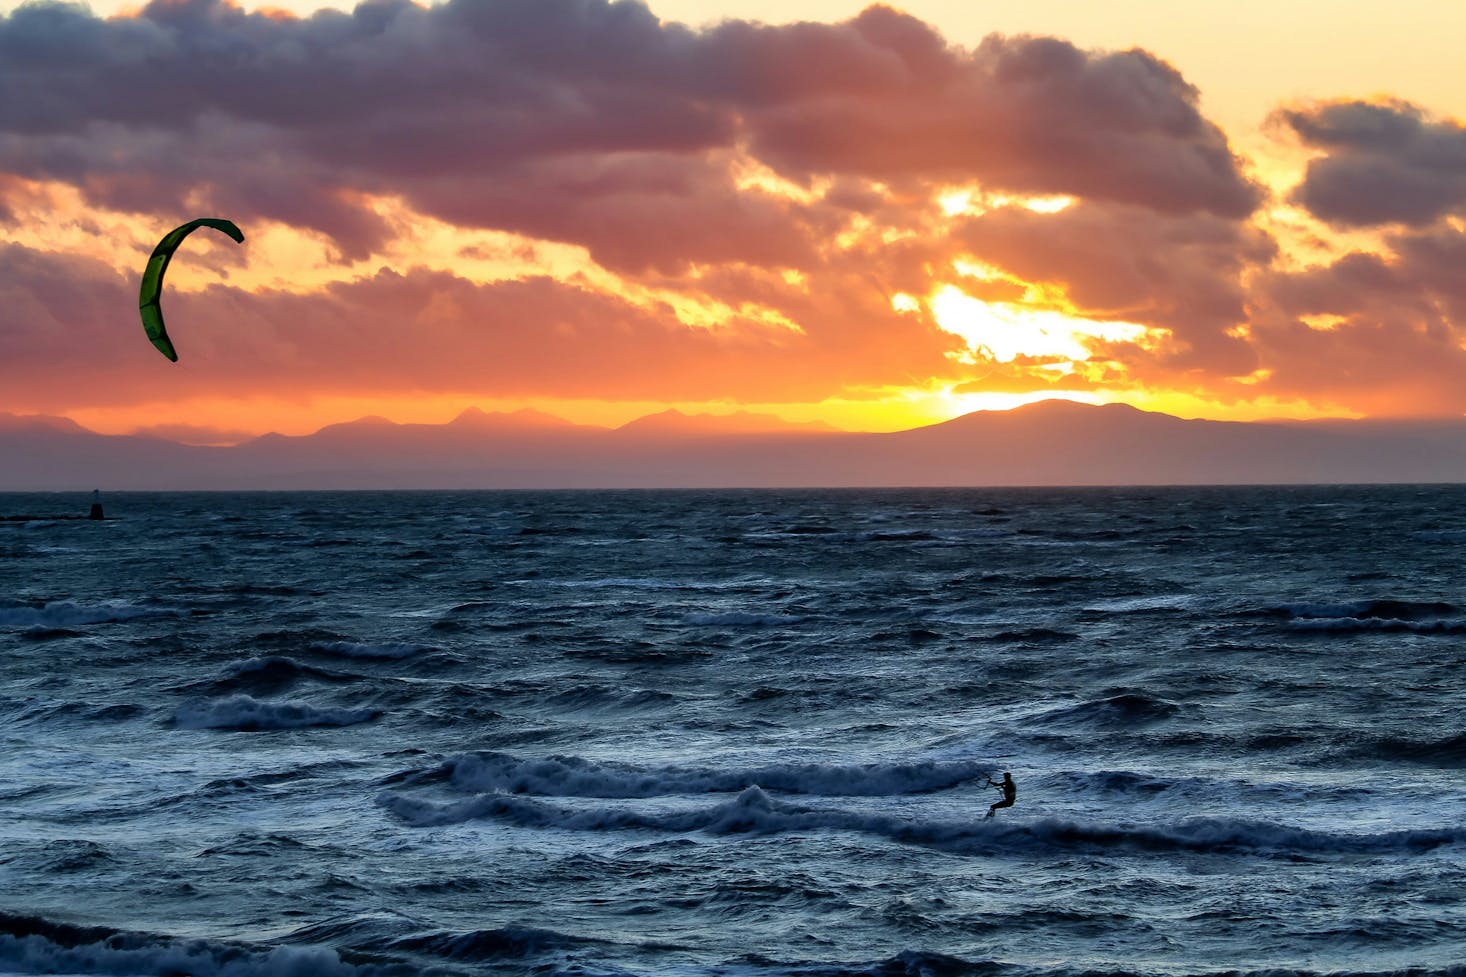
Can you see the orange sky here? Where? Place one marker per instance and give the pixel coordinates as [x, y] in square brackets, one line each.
[876, 219]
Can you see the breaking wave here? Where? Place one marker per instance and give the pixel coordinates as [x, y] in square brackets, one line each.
[247, 714]
[353, 649]
[64, 614]
[564, 776]
[32, 945]
[754, 812]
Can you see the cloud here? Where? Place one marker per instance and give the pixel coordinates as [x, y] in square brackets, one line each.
[57, 308]
[1385, 162]
[582, 121]
[664, 215]
[1383, 334]
[77, 342]
[1034, 115]
[1435, 260]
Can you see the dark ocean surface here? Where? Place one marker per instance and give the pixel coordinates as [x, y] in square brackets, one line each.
[735, 733]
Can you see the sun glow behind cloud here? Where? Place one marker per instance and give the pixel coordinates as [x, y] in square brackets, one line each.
[1004, 331]
[971, 199]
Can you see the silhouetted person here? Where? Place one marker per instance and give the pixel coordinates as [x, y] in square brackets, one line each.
[1010, 793]
[96, 512]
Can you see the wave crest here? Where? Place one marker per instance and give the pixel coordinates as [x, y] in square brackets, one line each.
[247, 714]
[356, 649]
[63, 614]
[32, 945]
[567, 776]
[753, 811]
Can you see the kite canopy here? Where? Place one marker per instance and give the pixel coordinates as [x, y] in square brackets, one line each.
[152, 285]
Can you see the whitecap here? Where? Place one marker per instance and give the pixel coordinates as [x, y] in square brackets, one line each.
[246, 713]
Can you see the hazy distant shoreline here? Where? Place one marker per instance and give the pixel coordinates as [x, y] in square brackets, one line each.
[1055, 443]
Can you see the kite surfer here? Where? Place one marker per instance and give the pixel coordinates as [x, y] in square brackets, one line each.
[1010, 793]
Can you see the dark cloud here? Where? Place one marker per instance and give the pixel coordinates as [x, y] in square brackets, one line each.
[57, 309]
[584, 121]
[1380, 366]
[1382, 334]
[1028, 114]
[1357, 280]
[1383, 163]
[635, 214]
[1436, 263]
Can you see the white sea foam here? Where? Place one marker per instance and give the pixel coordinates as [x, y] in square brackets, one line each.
[632, 583]
[1382, 608]
[741, 619]
[1347, 624]
[1441, 536]
[576, 777]
[353, 649]
[268, 663]
[1374, 614]
[60, 614]
[1132, 605]
[244, 712]
[1310, 609]
[34, 954]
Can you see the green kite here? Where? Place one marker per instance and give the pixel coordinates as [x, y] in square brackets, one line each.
[152, 286]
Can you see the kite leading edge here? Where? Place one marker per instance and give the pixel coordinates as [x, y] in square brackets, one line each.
[152, 284]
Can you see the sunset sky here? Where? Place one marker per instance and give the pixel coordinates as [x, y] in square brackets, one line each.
[874, 217]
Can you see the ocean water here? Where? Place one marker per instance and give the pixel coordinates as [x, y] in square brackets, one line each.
[741, 733]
